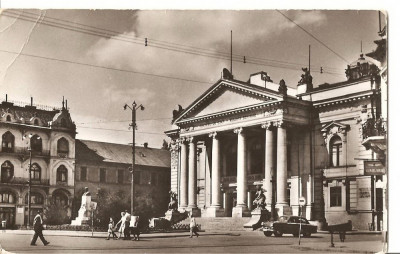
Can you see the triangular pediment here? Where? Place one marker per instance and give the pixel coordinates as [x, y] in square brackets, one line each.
[334, 124]
[224, 97]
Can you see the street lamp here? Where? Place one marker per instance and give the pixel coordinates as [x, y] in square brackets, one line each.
[30, 177]
[133, 125]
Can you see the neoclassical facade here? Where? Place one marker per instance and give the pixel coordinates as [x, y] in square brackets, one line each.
[305, 142]
[44, 138]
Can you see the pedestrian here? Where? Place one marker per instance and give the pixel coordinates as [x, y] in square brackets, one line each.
[122, 226]
[193, 227]
[111, 230]
[127, 233]
[134, 227]
[38, 227]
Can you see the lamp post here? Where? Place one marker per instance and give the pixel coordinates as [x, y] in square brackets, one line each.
[29, 178]
[133, 125]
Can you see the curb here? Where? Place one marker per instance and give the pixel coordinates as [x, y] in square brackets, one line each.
[333, 249]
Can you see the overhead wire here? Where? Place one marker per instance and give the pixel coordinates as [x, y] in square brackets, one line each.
[95, 31]
[315, 38]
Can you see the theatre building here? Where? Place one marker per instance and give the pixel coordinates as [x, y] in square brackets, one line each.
[304, 142]
[44, 138]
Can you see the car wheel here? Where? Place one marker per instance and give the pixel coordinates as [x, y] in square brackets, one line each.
[306, 234]
[267, 233]
[277, 233]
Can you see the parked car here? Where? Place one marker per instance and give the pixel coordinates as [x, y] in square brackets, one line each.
[289, 225]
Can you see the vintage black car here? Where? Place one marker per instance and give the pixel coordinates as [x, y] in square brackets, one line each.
[289, 225]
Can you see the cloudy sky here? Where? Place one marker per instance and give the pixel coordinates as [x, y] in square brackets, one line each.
[98, 59]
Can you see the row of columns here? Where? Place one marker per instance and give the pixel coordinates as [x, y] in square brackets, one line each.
[188, 170]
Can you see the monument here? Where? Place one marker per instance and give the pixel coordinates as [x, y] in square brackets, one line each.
[259, 214]
[84, 212]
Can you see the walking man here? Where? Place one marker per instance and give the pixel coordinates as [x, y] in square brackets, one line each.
[193, 227]
[38, 227]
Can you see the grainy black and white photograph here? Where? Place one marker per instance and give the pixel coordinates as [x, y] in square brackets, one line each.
[194, 131]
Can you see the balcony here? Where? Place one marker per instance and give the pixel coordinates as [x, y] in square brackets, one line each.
[374, 136]
[22, 181]
[250, 178]
[373, 127]
[25, 151]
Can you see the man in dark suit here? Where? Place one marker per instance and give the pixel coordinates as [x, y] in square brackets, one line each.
[38, 227]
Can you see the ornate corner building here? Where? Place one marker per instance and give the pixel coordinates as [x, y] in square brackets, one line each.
[44, 138]
[325, 143]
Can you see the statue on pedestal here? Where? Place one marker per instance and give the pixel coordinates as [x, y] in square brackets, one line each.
[173, 204]
[259, 200]
[84, 211]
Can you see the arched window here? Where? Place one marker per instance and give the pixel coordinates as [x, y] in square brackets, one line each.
[60, 198]
[8, 118]
[36, 172]
[7, 197]
[62, 146]
[36, 143]
[335, 149]
[62, 174]
[36, 198]
[7, 142]
[7, 172]
[36, 122]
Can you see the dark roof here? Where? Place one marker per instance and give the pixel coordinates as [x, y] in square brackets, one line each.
[118, 153]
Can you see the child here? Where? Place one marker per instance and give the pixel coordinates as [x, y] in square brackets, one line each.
[111, 230]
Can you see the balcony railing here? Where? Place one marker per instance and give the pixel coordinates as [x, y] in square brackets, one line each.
[22, 180]
[373, 127]
[25, 151]
[250, 178]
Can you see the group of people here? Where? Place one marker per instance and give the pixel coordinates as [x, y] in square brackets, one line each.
[127, 225]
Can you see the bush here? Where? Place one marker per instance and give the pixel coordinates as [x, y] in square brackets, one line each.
[56, 215]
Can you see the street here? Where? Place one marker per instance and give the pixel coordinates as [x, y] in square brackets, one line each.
[230, 242]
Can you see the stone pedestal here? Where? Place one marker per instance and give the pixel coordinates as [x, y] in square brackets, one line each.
[173, 216]
[215, 211]
[258, 216]
[240, 211]
[84, 212]
[196, 212]
[283, 209]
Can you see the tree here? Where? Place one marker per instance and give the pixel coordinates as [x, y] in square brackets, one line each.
[110, 204]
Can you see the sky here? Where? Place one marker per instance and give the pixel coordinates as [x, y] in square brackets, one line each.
[97, 59]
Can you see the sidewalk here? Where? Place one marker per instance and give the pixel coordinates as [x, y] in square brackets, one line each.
[346, 247]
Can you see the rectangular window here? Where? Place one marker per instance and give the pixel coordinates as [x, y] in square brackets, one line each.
[336, 196]
[83, 173]
[120, 176]
[137, 177]
[102, 175]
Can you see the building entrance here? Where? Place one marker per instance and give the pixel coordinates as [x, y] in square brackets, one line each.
[8, 214]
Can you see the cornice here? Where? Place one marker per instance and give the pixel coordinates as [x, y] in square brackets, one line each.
[343, 99]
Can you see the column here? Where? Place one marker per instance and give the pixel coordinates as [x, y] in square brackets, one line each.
[215, 171]
[241, 206]
[192, 174]
[183, 185]
[281, 169]
[269, 163]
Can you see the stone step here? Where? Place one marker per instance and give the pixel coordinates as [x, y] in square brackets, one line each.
[220, 223]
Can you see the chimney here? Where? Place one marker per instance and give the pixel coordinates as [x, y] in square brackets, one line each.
[31, 101]
[145, 145]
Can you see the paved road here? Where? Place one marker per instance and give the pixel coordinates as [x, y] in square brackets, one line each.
[237, 242]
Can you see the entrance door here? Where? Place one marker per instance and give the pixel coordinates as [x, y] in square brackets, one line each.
[379, 207]
[8, 214]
